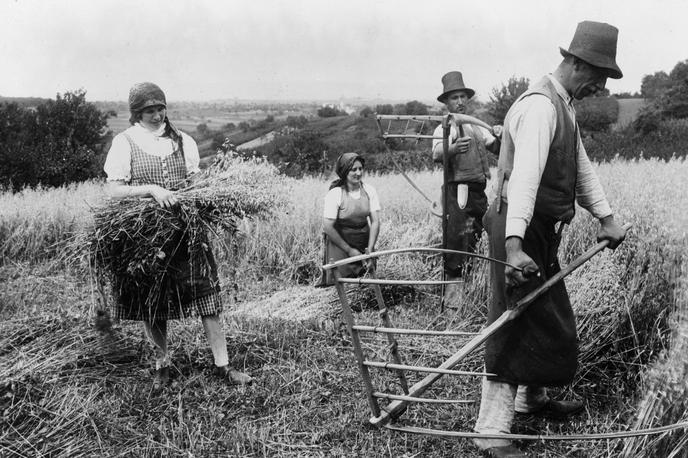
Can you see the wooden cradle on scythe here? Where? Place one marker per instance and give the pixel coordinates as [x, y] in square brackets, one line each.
[385, 415]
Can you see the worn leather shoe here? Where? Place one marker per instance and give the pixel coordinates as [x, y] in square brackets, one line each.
[557, 409]
[505, 451]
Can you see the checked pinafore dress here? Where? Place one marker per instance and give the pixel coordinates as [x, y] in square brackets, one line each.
[190, 286]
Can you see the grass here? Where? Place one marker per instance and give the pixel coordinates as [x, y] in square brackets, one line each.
[90, 395]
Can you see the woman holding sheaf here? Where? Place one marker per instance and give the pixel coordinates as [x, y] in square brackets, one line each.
[154, 159]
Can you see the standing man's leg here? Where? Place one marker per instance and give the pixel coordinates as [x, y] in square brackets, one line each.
[456, 240]
[496, 413]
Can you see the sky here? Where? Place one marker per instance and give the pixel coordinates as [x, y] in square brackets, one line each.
[315, 49]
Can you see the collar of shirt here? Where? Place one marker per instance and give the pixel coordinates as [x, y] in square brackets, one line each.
[156, 133]
[564, 95]
[560, 90]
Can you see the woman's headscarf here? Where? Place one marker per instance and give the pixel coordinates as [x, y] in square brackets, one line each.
[343, 166]
[144, 95]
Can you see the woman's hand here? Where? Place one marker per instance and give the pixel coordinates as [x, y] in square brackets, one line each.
[164, 197]
[369, 263]
[353, 252]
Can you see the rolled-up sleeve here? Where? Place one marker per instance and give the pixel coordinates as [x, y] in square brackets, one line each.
[589, 191]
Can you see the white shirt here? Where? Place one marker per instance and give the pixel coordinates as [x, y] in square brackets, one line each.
[333, 200]
[532, 125]
[437, 144]
[118, 161]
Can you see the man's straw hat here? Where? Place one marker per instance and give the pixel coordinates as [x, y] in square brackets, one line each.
[595, 43]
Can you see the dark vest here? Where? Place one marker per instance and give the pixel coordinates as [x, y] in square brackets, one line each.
[556, 194]
[472, 166]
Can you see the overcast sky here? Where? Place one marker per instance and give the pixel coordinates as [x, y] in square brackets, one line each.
[315, 49]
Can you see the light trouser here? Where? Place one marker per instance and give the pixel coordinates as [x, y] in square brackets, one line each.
[157, 334]
[498, 402]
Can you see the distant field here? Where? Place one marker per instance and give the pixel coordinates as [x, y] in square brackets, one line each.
[628, 110]
[188, 123]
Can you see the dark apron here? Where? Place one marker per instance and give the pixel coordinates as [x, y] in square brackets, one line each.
[352, 225]
[540, 347]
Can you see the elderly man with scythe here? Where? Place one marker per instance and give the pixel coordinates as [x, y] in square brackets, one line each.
[543, 171]
[465, 198]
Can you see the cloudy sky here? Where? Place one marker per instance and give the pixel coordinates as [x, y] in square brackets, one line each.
[314, 49]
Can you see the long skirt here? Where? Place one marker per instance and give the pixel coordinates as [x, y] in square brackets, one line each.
[540, 346]
[189, 287]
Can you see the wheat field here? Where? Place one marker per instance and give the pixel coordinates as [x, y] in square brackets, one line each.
[69, 390]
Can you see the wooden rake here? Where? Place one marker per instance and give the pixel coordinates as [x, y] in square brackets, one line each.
[384, 415]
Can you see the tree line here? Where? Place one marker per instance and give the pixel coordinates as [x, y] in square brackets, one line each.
[60, 141]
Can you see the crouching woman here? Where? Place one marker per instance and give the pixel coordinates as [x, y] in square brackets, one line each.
[351, 219]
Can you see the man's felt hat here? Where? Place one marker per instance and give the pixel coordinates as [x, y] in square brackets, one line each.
[453, 81]
[595, 43]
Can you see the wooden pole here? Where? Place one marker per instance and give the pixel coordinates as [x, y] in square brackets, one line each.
[392, 366]
[394, 351]
[398, 407]
[358, 348]
[446, 130]
[377, 254]
[368, 281]
[418, 332]
[378, 394]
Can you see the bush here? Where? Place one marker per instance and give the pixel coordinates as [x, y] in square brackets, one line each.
[385, 109]
[415, 107]
[669, 140]
[297, 153]
[330, 112]
[365, 112]
[648, 120]
[297, 121]
[597, 114]
[669, 92]
[503, 97]
[59, 142]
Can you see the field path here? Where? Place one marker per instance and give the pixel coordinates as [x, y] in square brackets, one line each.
[256, 142]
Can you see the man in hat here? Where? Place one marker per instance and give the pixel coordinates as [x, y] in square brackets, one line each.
[543, 170]
[468, 174]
